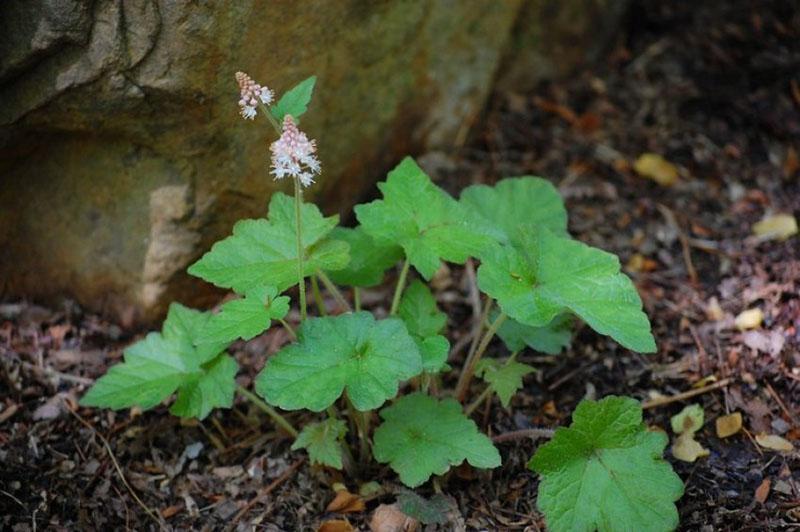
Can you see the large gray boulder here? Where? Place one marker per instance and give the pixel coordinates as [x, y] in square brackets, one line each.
[122, 154]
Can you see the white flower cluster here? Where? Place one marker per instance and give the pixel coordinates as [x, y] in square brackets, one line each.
[293, 154]
[251, 94]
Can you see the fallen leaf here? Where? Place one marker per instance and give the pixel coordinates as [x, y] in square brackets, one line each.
[773, 442]
[689, 420]
[762, 491]
[749, 319]
[714, 311]
[687, 449]
[389, 518]
[169, 511]
[729, 425]
[640, 263]
[346, 502]
[776, 227]
[336, 525]
[655, 167]
[368, 489]
[770, 342]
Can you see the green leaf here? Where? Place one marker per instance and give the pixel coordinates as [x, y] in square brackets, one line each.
[605, 472]
[421, 436]
[355, 352]
[514, 206]
[264, 252]
[425, 321]
[369, 259]
[556, 274]
[246, 318]
[431, 511]
[294, 101]
[550, 339]
[423, 219]
[155, 367]
[505, 379]
[323, 441]
[213, 387]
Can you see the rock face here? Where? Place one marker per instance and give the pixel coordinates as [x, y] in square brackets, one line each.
[122, 155]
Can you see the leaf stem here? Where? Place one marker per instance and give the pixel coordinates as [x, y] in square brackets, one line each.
[337, 295]
[361, 422]
[271, 118]
[318, 296]
[357, 298]
[289, 329]
[398, 290]
[477, 402]
[472, 361]
[271, 412]
[298, 200]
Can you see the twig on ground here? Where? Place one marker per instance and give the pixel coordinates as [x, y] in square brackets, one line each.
[686, 248]
[57, 374]
[139, 501]
[534, 434]
[661, 401]
[781, 404]
[266, 491]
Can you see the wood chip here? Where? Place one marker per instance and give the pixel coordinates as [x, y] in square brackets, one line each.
[729, 425]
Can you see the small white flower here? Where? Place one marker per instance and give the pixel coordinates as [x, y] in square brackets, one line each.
[293, 154]
[250, 94]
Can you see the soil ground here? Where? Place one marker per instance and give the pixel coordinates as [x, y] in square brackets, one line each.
[712, 87]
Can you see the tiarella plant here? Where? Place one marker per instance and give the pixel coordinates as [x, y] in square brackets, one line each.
[377, 380]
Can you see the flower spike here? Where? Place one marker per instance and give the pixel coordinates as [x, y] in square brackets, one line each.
[250, 94]
[293, 154]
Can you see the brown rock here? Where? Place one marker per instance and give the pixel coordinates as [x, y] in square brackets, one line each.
[122, 154]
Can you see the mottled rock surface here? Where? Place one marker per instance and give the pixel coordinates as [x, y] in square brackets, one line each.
[122, 156]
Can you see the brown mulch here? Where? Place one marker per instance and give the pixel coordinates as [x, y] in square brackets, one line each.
[714, 88]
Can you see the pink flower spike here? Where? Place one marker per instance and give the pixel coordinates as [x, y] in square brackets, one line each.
[250, 94]
[293, 154]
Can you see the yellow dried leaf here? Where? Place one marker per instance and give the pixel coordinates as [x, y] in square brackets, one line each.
[687, 449]
[776, 227]
[749, 319]
[655, 167]
[776, 443]
[729, 425]
[689, 420]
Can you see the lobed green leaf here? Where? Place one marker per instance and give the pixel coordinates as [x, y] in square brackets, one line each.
[425, 321]
[369, 259]
[555, 274]
[264, 252]
[247, 317]
[605, 472]
[162, 363]
[550, 339]
[323, 441]
[504, 378]
[515, 206]
[351, 352]
[423, 219]
[422, 436]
